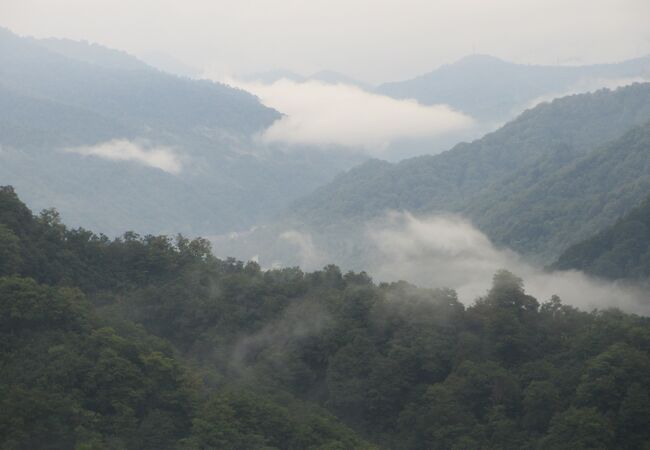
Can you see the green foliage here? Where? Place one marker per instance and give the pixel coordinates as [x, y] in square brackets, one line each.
[244, 420]
[68, 382]
[529, 185]
[579, 429]
[70, 378]
[10, 254]
[57, 95]
[621, 251]
[554, 202]
[150, 342]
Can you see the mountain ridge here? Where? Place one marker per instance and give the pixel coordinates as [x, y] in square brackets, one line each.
[492, 89]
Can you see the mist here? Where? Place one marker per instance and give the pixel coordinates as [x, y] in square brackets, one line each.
[157, 157]
[321, 114]
[374, 41]
[448, 251]
[341, 224]
[435, 251]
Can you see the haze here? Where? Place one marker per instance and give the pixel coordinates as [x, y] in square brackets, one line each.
[373, 41]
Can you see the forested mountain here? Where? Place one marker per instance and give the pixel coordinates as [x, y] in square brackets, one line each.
[569, 127]
[114, 84]
[491, 89]
[621, 251]
[92, 53]
[96, 131]
[529, 185]
[153, 343]
[553, 203]
[76, 374]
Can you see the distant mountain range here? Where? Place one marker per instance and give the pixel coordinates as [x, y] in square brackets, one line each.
[60, 95]
[116, 85]
[485, 87]
[118, 144]
[491, 89]
[560, 171]
[488, 89]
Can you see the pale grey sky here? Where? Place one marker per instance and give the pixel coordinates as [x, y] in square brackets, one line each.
[373, 40]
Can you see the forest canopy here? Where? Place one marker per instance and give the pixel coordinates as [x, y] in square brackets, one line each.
[152, 342]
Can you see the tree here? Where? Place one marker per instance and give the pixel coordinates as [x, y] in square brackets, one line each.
[579, 429]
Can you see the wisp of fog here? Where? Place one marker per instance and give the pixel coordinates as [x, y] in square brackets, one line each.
[318, 113]
[448, 251]
[158, 157]
[438, 251]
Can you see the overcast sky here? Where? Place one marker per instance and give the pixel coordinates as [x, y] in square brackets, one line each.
[372, 40]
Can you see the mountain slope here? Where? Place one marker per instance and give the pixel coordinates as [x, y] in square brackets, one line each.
[567, 128]
[553, 203]
[153, 343]
[141, 96]
[523, 185]
[74, 375]
[85, 127]
[621, 251]
[491, 89]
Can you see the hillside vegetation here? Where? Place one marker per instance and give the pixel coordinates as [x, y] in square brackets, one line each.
[528, 185]
[551, 204]
[150, 342]
[621, 251]
[174, 154]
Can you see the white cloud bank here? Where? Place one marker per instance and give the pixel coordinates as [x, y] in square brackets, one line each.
[338, 114]
[447, 251]
[436, 252]
[162, 158]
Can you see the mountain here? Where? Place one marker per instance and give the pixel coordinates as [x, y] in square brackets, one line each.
[494, 90]
[75, 373]
[116, 143]
[621, 251]
[153, 343]
[528, 185]
[116, 85]
[567, 128]
[167, 63]
[553, 203]
[89, 52]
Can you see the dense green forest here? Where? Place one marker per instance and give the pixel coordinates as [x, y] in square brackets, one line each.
[528, 186]
[621, 251]
[566, 128]
[553, 203]
[152, 342]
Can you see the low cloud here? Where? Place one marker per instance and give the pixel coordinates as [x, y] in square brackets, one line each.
[448, 251]
[317, 113]
[305, 248]
[162, 158]
[434, 251]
